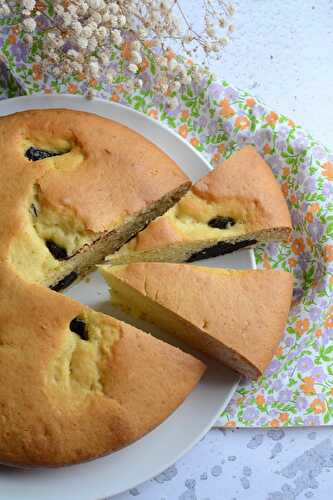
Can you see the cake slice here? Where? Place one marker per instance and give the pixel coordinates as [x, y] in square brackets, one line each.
[237, 317]
[237, 205]
[77, 384]
[76, 187]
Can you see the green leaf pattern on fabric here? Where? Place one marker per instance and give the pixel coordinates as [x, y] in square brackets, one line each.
[217, 119]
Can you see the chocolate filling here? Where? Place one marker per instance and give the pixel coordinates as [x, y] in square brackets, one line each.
[77, 325]
[220, 248]
[35, 154]
[65, 282]
[58, 253]
[222, 222]
[33, 210]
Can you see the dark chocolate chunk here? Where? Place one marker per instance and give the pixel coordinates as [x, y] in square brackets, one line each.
[58, 253]
[65, 282]
[222, 222]
[77, 325]
[220, 248]
[35, 154]
[33, 210]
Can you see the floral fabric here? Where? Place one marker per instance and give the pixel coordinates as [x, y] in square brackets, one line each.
[215, 118]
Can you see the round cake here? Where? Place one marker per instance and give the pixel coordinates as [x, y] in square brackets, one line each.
[77, 384]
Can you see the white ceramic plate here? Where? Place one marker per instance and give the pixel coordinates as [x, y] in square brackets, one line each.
[164, 445]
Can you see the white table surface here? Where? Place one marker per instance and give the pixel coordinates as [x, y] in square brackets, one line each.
[282, 52]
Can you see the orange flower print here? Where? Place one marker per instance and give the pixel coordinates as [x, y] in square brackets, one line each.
[301, 326]
[149, 44]
[318, 333]
[318, 406]
[329, 320]
[285, 189]
[231, 423]
[328, 253]
[72, 88]
[328, 170]
[284, 417]
[170, 54]
[250, 102]
[310, 242]
[314, 207]
[309, 217]
[308, 386]
[120, 89]
[331, 391]
[260, 400]
[272, 118]
[274, 423]
[266, 149]
[153, 114]
[265, 262]
[291, 123]
[226, 110]
[298, 246]
[221, 148]
[216, 158]
[242, 122]
[195, 142]
[36, 71]
[292, 262]
[11, 39]
[126, 51]
[331, 280]
[40, 5]
[285, 171]
[293, 199]
[144, 65]
[185, 115]
[93, 82]
[115, 98]
[183, 130]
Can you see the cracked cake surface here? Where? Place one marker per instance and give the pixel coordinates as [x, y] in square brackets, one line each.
[77, 184]
[77, 384]
[236, 316]
[239, 204]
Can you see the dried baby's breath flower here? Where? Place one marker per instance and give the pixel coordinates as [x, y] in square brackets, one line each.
[85, 36]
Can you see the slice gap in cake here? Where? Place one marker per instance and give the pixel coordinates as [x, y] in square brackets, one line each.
[236, 317]
[238, 205]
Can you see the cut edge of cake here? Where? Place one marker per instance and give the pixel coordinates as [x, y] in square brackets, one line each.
[238, 205]
[174, 297]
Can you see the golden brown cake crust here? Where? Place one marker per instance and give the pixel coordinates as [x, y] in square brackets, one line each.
[63, 399]
[246, 177]
[246, 311]
[118, 173]
[52, 417]
[242, 187]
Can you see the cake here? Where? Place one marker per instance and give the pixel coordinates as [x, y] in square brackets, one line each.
[77, 384]
[73, 191]
[237, 205]
[237, 317]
